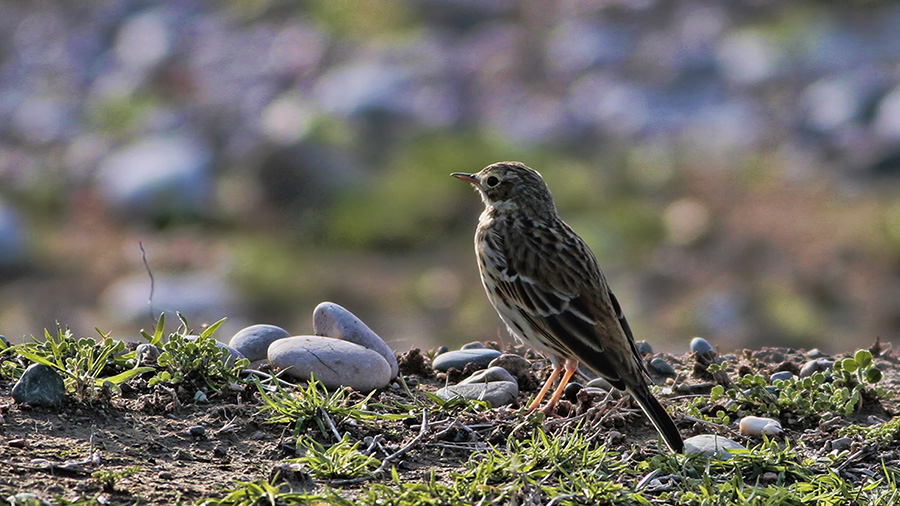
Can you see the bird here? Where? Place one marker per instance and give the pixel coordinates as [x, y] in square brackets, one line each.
[546, 285]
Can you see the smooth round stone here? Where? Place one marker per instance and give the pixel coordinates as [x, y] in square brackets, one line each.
[474, 345]
[516, 365]
[814, 366]
[489, 375]
[571, 391]
[644, 348]
[816, 353]
[229, 358]
[758, 426]
[498, 393]
[253, 341]
[39, 386]
[334, 362]
[332, 320]
[459, 359]
[781, 375]
[146, 352]
[661, 366]
[600, 383]
[711, 445]
[700, 345]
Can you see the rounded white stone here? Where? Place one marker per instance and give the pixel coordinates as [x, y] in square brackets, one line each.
[333, 320]
[334, 362]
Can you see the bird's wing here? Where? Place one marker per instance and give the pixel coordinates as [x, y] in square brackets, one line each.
[559, 289]
[555, 281]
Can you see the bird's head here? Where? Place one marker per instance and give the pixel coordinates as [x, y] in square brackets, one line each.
[511, 185]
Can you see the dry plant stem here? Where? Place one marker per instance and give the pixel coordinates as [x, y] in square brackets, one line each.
[329, 422]
[392, 457]
[716, 425]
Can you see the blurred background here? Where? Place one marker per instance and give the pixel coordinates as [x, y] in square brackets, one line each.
[734, 165]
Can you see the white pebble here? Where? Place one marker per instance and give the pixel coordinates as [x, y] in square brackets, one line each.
[757, 426]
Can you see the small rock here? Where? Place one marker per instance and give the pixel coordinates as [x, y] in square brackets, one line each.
[498, 393]
[814, 366]
[459, 359]
[516, 365]
[600, 383]
[196, 431]
[758, 426]
[839, 444]
[489, 375]
[644, 348]
[711, 445]
[661, 366]
[18, 443]
[700, 345]
[253, 341]
[769, 477]
[474, 345]
[220, 450]
[332, 320]
[816, 353]
[781, 375]
[571, 391]
[147, 353]
[39, 386]
[200, 397]
[334, 362]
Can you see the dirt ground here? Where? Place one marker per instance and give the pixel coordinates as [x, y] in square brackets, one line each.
[180, 452]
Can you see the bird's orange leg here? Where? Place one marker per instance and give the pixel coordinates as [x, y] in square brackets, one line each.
[571, 366]
[540, 396]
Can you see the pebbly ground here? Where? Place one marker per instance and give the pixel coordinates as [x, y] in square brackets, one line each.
[155, 436]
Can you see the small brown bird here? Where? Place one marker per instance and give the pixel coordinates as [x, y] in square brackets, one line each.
[545, 284]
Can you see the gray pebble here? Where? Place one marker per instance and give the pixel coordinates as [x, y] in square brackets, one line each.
[460, 358]
[814, 366]
[516, 365]
[474, 345]
[39, 386]
[571, 391]
[700, 345]
[196, 431]
[253, 341]
[146, 353]
[489, 375]
[661, 366]
[711, 445]
[781, 375]
[841, 444]
[333, 320]
[498, 393]
[334, 362]
[816, 353]
[600, 383]
[644, 348]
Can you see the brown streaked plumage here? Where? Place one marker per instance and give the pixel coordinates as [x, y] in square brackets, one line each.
[546, 285]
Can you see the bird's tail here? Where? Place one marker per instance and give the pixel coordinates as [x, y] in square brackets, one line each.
[660, 418]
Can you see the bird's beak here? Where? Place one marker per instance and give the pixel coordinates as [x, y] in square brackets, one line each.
[466, 177]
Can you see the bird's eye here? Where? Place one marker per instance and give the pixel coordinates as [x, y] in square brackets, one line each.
[493, 181]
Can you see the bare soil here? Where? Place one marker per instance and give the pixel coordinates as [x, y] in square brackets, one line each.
[55, 452]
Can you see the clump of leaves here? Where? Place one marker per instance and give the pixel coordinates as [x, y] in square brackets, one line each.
[882, 433]
[198, 361]
[811, 398]
[88, 366]
[107, 479]
[339, 461]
